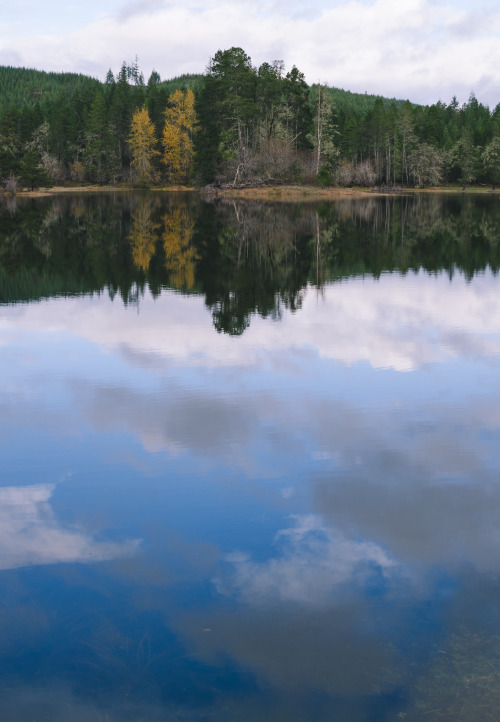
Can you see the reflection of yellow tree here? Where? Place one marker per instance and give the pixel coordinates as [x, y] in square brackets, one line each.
[143, 236]
[180, 256]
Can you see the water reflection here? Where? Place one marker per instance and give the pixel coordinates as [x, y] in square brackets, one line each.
[180, 253]
[30, 534]
[393, 322]
[143, 235]
[245, 258]
[295, 410]
[315, 562]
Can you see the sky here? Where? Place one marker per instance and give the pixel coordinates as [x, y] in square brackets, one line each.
[423, 50]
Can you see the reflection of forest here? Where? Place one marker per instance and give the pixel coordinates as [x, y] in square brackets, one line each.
[432, 232]
[244, 257]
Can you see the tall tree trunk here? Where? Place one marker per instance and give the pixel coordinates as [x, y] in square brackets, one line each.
[319, 131]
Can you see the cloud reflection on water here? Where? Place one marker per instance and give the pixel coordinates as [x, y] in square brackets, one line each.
[372, 462]
[31, 535]
[315, 561]
[393, 322]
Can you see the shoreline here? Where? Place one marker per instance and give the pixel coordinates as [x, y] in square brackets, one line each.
[277, 193]
[60, 190]
[313, 193]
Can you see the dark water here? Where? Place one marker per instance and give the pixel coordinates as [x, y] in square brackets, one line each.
[250, 460]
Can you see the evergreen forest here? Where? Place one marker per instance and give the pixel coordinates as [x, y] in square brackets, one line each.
[235, 124]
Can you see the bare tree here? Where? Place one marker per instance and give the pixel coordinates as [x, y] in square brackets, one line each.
[10, 184]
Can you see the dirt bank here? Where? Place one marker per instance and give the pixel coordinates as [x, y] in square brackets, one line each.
[284, 193]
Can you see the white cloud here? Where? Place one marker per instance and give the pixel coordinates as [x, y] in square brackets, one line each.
[417, 49]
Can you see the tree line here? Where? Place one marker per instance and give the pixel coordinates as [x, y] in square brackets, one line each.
[236, 123]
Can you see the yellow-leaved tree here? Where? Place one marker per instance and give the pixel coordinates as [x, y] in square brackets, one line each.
[177, 140]
[142, 142]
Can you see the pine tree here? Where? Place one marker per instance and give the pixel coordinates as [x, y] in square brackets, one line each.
[465, 158]
[226, 109]
[32, 173]
[296, 93]
[101, 150]
[154, 99]
[325, 132]
[9, 142]
[120, 111]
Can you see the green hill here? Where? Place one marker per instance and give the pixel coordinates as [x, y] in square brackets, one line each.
[26, 86]
[361, 102]
[19, 86]
[182, 82]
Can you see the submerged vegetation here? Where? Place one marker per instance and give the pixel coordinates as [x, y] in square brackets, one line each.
[236, 123]
[461, 681]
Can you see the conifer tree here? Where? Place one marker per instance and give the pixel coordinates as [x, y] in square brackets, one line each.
[32, 174]
[9, 141]
[101, 149]
[226, 109]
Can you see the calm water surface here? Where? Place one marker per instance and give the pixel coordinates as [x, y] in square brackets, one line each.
[250, 460]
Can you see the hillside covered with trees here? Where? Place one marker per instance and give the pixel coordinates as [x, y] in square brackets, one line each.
[236, 123]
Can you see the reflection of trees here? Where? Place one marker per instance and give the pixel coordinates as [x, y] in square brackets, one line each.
[255, 261]
[245, 257]
[64, 246]
[180, 254]
[20, 233]
[143, 235]
[430, 232]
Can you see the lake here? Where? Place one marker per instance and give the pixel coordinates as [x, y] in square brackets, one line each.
[250, 459]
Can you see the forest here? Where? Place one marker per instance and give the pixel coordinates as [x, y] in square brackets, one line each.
[235, 124]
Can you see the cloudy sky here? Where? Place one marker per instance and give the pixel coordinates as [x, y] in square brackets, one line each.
[424, 50]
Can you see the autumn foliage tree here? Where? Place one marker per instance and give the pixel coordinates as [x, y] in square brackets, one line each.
[142, 142]
[177, 139]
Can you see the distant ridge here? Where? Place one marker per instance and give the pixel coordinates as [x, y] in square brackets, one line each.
[20, 86]
[345, 99]
[26, 86]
